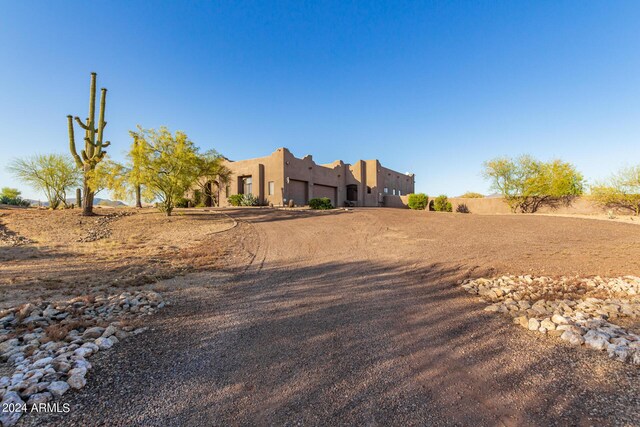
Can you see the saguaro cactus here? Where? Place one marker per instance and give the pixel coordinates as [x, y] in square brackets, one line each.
[93, 143]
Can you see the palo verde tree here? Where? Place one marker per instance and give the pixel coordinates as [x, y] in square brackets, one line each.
[124, 181]
[94, 144]
[167, 164]
[621, 191]
[527, 183]
[52, 174]
[112, 176]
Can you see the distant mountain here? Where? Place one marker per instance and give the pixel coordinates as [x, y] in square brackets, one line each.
[97, 201]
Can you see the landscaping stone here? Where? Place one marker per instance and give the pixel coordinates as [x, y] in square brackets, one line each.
[58, 388]
[14, 403]
[47, 364]
[534, 324]
[578, 310]
[76, 381]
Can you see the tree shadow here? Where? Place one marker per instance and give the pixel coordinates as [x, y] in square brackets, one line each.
[348, 343]
[264, 214]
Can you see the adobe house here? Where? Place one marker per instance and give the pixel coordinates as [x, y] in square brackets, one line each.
[281, 176]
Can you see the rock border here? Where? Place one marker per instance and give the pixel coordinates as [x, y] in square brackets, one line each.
[577, 310]
[46, 345]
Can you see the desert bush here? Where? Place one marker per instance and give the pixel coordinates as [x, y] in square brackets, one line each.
[462, 208]
[53, 174]
[442, 204]
[243, 200]
[320, 203]
[620, 192]
[235, 199]
[182, 202]
[527, 184]
[11, 196]
[472, 195]
[418, 201]
[250, 200]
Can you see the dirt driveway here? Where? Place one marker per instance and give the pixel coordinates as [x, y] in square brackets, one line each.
[346, 318]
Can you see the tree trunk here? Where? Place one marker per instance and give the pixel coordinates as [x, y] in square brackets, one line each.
[138, 198]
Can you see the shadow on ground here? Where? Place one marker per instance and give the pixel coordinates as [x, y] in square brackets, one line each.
[347, 343]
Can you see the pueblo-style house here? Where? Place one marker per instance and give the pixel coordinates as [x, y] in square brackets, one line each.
[280, 177]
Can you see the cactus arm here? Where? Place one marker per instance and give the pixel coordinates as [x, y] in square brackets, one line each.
[102, 123]
[72, 142]
[84, 156]
[88, 141]
[82, 125]
[106, 144]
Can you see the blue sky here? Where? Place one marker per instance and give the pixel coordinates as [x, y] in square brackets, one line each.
[434, 88]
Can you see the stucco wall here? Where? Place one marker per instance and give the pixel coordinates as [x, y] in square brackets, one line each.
[497, 205]
[396, 201]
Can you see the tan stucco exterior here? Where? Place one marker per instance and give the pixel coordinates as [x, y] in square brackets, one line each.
[281, 176]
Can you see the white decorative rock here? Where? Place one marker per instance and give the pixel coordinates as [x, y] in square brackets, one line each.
[58, 388]
[92, 333]
[559, 320]
[104, 343]
[548, 324]
[11, 400]
[596, 340]
[111, 330]
[37, 399]
[81, 372]
[534, 324]
[41, 363]
[83, 352]
[572, 337]
[76, 381]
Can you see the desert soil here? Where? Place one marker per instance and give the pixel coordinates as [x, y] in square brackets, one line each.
[340, 318]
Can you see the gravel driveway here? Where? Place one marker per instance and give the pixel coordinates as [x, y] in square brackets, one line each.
[354, 317]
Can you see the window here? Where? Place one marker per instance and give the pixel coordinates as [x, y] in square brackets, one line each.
[394, 191]
[272, 188]
[368, 190]
[399, 193]
[247, 185]
[227, 191]
[386, 190]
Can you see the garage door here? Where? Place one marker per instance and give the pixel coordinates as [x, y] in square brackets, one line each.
[325, 191]
[298, 192]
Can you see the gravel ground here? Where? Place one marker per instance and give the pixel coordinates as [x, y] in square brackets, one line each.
[346, 318]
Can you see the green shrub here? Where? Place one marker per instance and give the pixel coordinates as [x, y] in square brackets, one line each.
[249, 200]
[320, 203]
[11, 196]
[620, 192]
[472, 195]
[198, 198]
[418, 201]
[235, 199]
[442, 204]
[182, 203]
